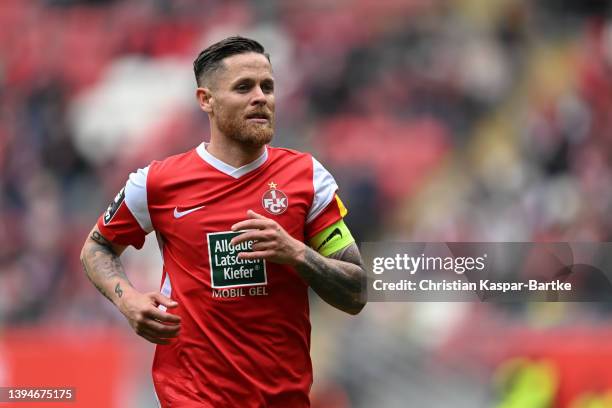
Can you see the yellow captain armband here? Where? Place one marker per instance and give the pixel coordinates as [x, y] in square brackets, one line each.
[332, 239]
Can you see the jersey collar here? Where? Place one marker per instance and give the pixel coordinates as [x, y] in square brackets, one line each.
[235, 172]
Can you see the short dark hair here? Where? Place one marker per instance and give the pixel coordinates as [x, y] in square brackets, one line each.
[210, 59]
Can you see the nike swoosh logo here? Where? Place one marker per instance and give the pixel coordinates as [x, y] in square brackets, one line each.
[179, 214]
[335, 232]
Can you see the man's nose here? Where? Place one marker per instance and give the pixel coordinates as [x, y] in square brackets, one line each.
[258, 97]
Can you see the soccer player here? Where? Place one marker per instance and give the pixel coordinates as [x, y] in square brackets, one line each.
[244, 230]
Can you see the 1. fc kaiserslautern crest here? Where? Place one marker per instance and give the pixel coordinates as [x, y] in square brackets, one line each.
[274, 201]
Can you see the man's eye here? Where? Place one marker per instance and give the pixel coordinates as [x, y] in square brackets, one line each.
[242, 88]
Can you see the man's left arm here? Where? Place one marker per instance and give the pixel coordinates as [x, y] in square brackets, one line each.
[338, 279]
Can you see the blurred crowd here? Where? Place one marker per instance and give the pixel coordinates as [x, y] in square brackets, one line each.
[460, 120]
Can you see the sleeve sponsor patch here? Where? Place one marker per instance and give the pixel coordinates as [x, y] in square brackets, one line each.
[114, 206]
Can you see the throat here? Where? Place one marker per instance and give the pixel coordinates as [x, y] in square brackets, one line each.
[235, 155]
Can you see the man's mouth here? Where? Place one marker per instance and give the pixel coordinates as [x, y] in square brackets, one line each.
[258, 117]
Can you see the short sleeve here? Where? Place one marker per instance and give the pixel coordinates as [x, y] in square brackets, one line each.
[127, 220]
[326, 207]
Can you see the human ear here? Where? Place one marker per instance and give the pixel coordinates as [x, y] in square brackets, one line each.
[205, 99]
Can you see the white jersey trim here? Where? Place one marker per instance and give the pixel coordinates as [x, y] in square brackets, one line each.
[166, 290]
[156, 398]
[235, 172]
[324, 189]
[136, 198]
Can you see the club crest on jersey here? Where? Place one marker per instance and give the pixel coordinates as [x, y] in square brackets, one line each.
[274, 201]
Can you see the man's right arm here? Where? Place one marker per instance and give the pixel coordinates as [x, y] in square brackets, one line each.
[103, 267]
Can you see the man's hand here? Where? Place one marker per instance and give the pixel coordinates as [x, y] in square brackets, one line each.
[146, 319]
[271, 241]
[337, 279]
[101, 262]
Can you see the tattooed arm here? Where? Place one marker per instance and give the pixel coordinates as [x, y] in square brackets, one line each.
[338, 281]
[100, 259]
[102, 266]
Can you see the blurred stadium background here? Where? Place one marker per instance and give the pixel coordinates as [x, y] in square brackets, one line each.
[442, 120]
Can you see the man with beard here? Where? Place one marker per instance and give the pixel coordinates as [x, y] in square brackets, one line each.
[236, 221]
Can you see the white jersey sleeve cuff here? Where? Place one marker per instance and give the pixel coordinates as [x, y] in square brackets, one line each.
[324, 189]
[136, 198]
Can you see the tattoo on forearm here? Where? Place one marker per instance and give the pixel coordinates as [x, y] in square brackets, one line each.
[101, 264]
[118, 290]
[89, 276]
[339, 281]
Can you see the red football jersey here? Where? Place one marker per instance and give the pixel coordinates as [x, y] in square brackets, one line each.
[245, 337]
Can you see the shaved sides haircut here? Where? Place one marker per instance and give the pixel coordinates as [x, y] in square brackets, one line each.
[211, 59]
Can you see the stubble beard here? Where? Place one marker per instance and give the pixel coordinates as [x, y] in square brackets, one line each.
[248, 133]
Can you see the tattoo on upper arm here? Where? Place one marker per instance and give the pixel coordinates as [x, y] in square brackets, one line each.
[96, 236]
[339, 283]
[102, 263]
[350, 254]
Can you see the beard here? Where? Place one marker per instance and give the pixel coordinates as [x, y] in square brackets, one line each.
[241, 130]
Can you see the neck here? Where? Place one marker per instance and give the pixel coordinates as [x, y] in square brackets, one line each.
[232, 152]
